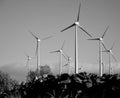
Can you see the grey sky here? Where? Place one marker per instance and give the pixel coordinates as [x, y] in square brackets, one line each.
[48, 17]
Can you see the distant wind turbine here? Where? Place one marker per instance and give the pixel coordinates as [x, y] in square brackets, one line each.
[110, 53]
[61, 54]
[100, 39]
[68, 58]
[76, 24]
[37, 47]
[28, 61]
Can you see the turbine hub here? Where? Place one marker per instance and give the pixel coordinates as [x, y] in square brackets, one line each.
[101, 39]
[110, 51]
[29, 58]
[60, 51]
[38, 40]
[69, 58]
[77, 23]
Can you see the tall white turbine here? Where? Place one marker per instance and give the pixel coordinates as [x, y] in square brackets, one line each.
[76, 24]
[37, 48]
[110, 53]
[100, 39]
[61, 54]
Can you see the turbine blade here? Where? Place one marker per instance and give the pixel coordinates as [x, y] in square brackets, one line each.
[94, 39]
[68, 27]
[85, 31]
[54, 51]
[78, 17]
[47, 37]
[105, 32]
[104, 51]
[112, 46]
[64, 56]
[104, 46]
[63, 45]
[113, 56]
[33, 35]
[66, 64]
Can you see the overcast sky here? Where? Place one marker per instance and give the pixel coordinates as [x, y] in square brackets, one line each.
[49, 17]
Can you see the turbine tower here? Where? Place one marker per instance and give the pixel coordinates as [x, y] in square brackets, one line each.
[103, 67]
[37, 47]
[61, 54]
[76, 24]
[100, 39]
[110, 53]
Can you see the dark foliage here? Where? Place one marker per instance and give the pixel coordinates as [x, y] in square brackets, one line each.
[80, 85]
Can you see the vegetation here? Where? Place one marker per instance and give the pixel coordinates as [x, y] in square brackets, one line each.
[82, 85]
[45, 85]
[6, 84]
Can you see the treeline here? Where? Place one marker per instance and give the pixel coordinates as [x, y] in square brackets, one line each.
[82, 85]
[6, 84]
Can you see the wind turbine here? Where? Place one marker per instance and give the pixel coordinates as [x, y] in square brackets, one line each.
[110, 53]
[68, 58]
[37, 47]
[76, 24]
[60, 51]
[28, 61]
[100, 39]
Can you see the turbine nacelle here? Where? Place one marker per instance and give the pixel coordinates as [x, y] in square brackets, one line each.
[108, 51]
[99, 39]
